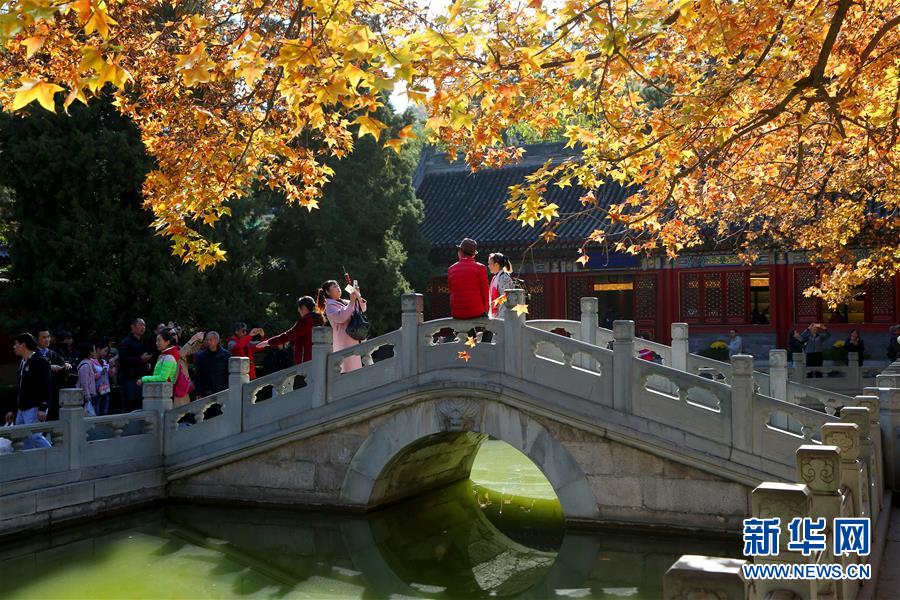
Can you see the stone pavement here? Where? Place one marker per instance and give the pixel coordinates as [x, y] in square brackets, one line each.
[889, 578]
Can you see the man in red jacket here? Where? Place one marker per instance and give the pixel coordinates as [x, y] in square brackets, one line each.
[468, 280]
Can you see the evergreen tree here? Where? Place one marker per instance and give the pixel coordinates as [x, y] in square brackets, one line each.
[367, 223]
[83, 254]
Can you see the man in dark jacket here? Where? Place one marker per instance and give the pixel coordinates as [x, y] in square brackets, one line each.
[34, 387]
[468, 281]
[59, 368]
[211, 367]
[133, 365]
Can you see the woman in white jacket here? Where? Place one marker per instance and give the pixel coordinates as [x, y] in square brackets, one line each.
[502, 280]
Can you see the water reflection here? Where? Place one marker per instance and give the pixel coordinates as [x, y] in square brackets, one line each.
[439, 545]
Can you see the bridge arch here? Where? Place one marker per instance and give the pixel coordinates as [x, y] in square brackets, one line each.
[434, 442]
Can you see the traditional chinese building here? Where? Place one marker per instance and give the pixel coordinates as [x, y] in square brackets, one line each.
[712, 291]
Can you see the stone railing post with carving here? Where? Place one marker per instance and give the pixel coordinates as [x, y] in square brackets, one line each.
[322, 347]
[411, 307]
[784, 501]
[706, 577]
[623, 356]
[742, 391]
[71, 410]
[778, 374]
[887, 388]
[872, 404]
[238, 375]
[158, 398]
[589, 324]
[513, 324]
[846, 437]
[860, 416]
[680, 346]
[819, 467]
[854, 373]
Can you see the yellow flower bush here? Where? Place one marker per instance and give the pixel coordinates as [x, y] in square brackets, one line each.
[839, 344]
[718, 345]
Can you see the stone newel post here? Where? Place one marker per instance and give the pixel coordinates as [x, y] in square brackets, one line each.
[410, 319]
[157, 396]
[589, 324]
[71, 410]
[872, 404]
[846, 437]
[238, 375]
[742, 402]
[778, 374]
[623, 356]
[784, 501]
[513, 325]
[887, 388]
[321, 349]
[860, 416]
[680, 347]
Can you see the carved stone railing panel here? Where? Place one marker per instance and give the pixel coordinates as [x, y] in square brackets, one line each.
[25, 451]
[121, 438]
[568, 365]
[681, 400]
[202, 421]
[277, 395]
[374, 373]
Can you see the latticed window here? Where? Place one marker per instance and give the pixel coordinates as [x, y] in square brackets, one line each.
[690, 296]
[576, 289]
[440, 301]
[645, 297]
[805, 309]
[714, 297]
[712, 288]
[537, 304]
[881, 297]
[736, 282]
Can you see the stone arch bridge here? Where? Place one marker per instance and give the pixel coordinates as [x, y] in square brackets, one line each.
[621, 439]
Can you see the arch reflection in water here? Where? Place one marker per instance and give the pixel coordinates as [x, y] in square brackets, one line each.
[466, 540]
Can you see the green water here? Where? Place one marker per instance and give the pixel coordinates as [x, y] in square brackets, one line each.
[497, 535]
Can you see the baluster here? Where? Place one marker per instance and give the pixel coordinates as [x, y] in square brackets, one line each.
[117, 426]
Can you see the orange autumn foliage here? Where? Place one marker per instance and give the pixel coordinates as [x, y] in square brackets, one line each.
[757, 124]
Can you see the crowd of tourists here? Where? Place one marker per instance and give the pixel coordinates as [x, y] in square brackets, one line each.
[111, 377]
[198, 366]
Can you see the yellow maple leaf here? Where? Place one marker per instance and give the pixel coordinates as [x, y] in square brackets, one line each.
[582, 260]
[396, 145]
[470, 341]
[32, 45]
[31, 90]
[99, 21]
[369, 126]
[520, 309]
[464, 356]
[499, 299]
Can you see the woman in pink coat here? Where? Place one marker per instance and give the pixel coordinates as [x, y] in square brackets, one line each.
[339, 312]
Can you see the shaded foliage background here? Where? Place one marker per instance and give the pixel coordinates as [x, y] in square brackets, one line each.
[85, 258]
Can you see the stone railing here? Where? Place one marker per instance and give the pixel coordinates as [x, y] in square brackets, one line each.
[728, 422]
[75, 442]
[841, 476]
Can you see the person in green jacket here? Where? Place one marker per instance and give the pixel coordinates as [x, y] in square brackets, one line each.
[166, 368]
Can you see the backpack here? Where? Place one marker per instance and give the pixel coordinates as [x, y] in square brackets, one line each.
[183, 385]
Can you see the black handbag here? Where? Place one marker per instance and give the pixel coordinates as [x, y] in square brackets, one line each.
[358, 326]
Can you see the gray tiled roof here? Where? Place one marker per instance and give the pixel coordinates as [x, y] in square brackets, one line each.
[461, 204]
